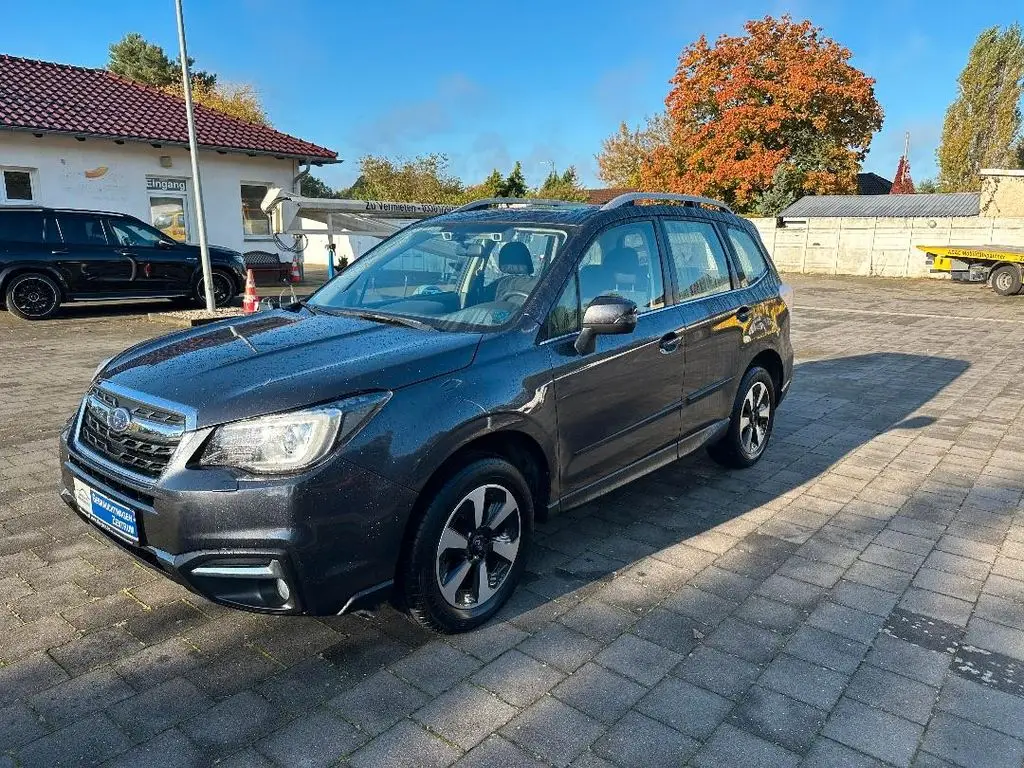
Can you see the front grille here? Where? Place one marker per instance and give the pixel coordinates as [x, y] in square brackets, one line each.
[148, 443]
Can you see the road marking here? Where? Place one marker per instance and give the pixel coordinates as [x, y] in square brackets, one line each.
[908, 314]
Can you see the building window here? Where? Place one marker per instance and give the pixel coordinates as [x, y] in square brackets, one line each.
[255, 223]
[18, 186]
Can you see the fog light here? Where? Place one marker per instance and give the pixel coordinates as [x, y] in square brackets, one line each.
[282, 590]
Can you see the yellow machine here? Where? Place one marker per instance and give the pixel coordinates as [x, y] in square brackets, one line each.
[1002, 265]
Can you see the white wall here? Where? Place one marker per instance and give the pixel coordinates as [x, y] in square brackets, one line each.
[350, 247]
[60, 163]
[877, 246]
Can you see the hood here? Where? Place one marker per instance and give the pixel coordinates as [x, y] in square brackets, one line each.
[281, 360]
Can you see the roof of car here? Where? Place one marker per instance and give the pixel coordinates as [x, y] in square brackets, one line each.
[577, 214]
[48, 209]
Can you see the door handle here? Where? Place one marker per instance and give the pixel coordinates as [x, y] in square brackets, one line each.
[743, 314]
[60, 251]
[669, 343]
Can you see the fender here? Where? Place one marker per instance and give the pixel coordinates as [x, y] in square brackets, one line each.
[33, 266]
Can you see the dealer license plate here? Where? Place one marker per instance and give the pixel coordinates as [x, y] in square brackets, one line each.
[107, 512]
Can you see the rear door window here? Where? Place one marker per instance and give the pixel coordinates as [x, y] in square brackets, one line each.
[702, 268]
[21, 226]
[751, 261]
[82, 229]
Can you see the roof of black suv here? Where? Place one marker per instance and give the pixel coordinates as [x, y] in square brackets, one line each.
[48, 209]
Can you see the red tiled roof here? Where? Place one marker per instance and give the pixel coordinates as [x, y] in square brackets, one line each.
[47, 97]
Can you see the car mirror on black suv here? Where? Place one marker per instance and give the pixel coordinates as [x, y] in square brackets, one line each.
[605, 315]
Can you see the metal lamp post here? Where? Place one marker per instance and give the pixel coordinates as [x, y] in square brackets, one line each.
[193, 146]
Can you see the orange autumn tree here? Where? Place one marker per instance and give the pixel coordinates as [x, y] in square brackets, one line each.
[763, 118]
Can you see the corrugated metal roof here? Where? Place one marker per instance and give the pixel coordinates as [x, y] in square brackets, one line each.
[940, 204]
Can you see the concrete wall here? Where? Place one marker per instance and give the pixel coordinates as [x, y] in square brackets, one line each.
[1002, 192]
[59, 166]
[877, 246]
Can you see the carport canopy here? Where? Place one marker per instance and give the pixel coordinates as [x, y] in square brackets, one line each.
[375, 218]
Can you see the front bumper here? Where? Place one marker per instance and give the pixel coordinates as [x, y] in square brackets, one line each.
[318, 543]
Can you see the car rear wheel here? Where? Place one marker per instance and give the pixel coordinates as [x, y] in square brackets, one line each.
[32, 296]
[223, 289]
[1006, 280]
[750, 426]
[469, 548]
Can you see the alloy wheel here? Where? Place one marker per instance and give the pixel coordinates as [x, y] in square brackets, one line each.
[34, 297]
[754, 419]
[478, 546]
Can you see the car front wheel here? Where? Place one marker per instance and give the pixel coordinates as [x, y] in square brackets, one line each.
[750, 426]
[469, 548]
[32, 296]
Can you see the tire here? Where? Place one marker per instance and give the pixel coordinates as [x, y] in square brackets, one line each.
[32, 296]
[1006, 280]
[456, 534]
[745, 442]
[223, 288]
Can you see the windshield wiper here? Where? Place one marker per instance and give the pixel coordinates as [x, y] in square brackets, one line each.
[408, 322]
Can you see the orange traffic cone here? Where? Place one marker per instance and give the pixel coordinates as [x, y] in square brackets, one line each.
[251, 302]
[296, 275]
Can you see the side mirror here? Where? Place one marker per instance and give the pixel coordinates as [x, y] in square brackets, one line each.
[605, 315]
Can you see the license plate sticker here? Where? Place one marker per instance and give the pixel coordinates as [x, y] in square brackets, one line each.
[107, 512]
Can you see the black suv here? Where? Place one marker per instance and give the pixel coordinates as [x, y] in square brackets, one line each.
[49, 256]
[398, 433]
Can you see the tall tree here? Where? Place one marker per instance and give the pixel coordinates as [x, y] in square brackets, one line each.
[423, 179]
[781, 95]
[562, 186]
[239, 101]
[313, 186]
[514, 184]
[983, 124]
[622, 154]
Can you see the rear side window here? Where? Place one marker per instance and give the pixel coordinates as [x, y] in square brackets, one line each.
[751, 259]
[21, 226]
[81, 229]
[699, 259]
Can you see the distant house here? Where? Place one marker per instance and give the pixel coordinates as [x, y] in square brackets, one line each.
[872, 184]
[602, 196]
[85, 138]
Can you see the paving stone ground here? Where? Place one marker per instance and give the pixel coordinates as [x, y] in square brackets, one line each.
[855, 599]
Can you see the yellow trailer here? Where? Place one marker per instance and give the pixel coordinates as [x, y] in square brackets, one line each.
[1001, 265]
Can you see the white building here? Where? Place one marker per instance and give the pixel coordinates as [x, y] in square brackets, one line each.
[84, 138]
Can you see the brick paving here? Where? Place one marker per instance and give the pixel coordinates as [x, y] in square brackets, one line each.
[855, 599]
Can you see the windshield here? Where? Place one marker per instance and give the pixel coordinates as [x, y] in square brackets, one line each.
[450, 277]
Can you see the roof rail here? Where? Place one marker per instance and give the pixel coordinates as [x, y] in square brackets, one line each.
[477, 205]
[630, 198]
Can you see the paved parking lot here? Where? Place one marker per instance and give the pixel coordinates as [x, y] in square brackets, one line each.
[856, 599]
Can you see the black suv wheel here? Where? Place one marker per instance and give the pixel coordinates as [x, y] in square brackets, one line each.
[32, 296]
[750, 426]
[223, 289]
[469, 548]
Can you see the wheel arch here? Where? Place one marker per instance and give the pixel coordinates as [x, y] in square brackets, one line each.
[771, 361]
[9, 273]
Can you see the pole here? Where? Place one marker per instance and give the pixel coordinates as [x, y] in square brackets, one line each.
[193, 147]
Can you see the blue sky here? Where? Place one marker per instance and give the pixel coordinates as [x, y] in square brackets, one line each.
[542, 81]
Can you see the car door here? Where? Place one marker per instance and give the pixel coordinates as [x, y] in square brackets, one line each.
[161, 266]
[713, 314]
[620, 403]
[92, 263]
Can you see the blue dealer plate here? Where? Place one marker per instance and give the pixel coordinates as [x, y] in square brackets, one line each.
[108, 513]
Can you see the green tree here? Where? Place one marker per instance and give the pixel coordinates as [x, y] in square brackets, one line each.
[514, 184]
[311, 186]
[926, 187]
[623, 153]
[562, 186]
[983, 123]
[489, 187]
[423, 179]
[136, 59]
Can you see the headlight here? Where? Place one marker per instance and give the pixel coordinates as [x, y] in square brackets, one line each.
[288, 442]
